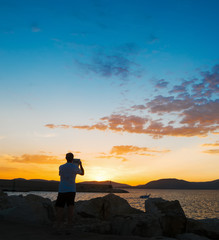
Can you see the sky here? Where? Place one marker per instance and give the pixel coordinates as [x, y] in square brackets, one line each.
[129, 86]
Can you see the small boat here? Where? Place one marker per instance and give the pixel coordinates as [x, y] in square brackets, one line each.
[145, 196]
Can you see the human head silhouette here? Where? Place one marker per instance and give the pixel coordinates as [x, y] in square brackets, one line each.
[69, 157]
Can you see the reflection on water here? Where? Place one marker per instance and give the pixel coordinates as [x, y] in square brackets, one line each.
[196, 204]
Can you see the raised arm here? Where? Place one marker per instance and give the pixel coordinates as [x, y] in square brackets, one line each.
[82, 169]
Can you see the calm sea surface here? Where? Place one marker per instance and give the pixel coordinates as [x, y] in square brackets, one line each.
[197, 204]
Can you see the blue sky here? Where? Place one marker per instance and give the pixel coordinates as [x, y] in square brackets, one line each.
[114, 73]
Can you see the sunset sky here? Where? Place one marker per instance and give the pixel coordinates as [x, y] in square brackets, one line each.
[129, 86]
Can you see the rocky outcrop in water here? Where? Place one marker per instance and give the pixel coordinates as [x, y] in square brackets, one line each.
[163, 220]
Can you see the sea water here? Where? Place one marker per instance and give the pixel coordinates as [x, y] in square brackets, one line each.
[197, 204]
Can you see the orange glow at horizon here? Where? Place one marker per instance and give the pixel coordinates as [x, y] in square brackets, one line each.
[139, 167]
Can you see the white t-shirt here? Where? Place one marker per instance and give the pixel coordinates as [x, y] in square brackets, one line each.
[67, 174]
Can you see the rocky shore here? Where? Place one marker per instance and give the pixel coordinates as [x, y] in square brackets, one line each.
[108, 217]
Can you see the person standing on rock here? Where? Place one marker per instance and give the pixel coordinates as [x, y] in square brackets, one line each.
[67, 188]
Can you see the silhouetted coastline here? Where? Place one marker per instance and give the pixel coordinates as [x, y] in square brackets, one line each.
[172, 183]
[169, 183]
[23, 185]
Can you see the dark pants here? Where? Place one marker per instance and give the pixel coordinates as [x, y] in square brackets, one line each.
[65, 198]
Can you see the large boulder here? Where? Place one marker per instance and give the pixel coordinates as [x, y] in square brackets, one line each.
[204, 227]
[170, 214]
[42, 207]
[104, 208]
[30, 209]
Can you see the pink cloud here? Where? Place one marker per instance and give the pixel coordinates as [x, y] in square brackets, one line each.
[195, 124]
[162, 104]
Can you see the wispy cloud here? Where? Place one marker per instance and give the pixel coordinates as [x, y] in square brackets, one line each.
[161, 83]
[153, 39]
[119, 62]
[7, 169]
[35, 28]
[44, 135]
[178, 89]
[122, 151]
[107, 156]
[216, 144]
[127, 149]
[130, 48]
[212, 151]
[161, 104]
[65, 126]
[35, 158]
[109, 66]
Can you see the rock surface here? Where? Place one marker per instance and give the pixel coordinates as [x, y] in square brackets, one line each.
[29, 209]
[170, 214]
[112, 215]
[104, 208]
[206, 227]
[143, 225]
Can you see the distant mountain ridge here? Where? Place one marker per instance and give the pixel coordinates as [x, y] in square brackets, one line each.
[173, 183]
[168, 183]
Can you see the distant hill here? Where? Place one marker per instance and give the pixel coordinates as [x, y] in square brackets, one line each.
[23, 185]
[169, 183]
[114, 184]
[172, 183]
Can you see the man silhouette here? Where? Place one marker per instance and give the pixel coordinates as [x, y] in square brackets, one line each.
[67, 189]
